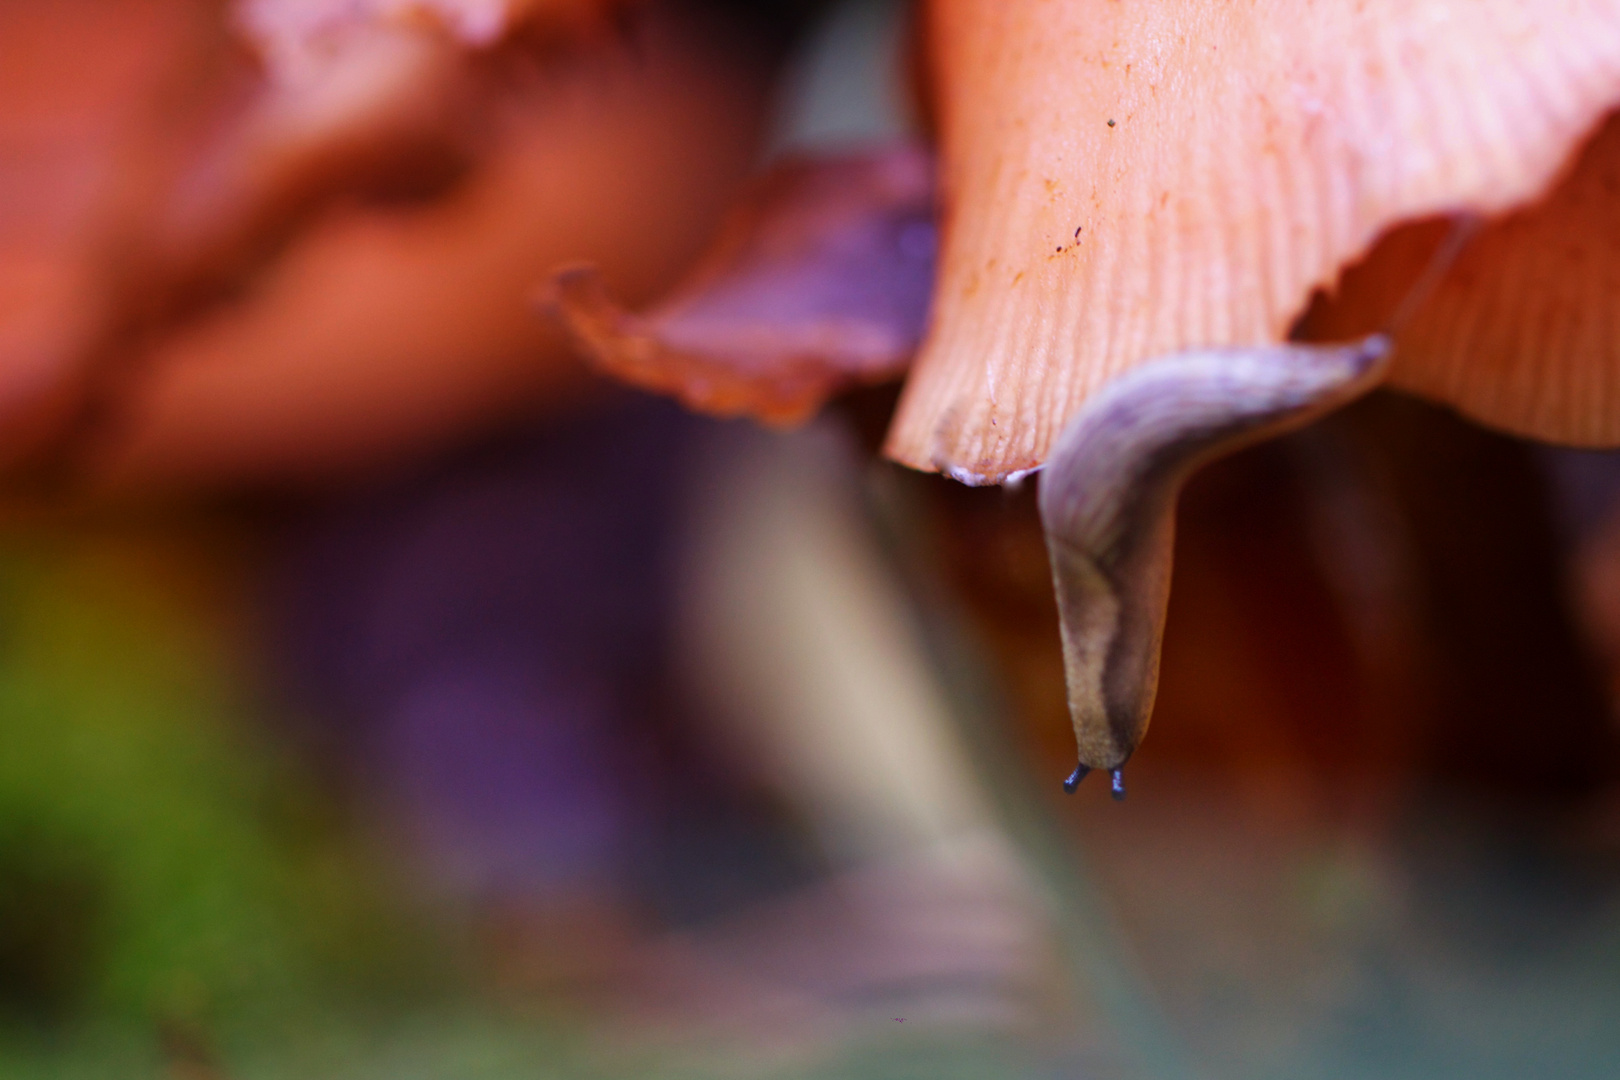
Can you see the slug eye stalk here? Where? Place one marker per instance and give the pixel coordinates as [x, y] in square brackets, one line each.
[1107, 504]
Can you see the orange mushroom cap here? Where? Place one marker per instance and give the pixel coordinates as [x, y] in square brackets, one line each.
[1123, 181]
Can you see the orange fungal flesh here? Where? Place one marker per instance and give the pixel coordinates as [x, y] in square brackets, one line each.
[1125, 180]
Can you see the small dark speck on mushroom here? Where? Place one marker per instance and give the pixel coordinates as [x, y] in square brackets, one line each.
[1077, 229]
[1110, 123]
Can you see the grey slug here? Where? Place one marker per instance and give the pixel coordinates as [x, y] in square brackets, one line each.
[1107, 503]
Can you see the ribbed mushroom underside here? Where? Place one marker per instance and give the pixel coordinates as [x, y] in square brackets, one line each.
[1125, 181]
[1524, 332]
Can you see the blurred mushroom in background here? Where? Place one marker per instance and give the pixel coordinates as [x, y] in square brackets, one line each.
[98, 101]
[386, 332]
[317, 257]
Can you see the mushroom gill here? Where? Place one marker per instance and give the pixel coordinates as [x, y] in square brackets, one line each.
[1522, 332]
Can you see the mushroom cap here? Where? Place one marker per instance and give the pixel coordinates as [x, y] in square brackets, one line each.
[1123, 181]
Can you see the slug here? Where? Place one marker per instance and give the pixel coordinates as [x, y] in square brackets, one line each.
[1107, 504]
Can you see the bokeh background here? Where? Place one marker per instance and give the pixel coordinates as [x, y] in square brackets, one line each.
[382, 694]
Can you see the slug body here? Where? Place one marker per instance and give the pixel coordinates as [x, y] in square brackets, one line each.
[1107, 503]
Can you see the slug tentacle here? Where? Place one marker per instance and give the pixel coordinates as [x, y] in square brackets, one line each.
[1074, 779]
[1107, 503]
